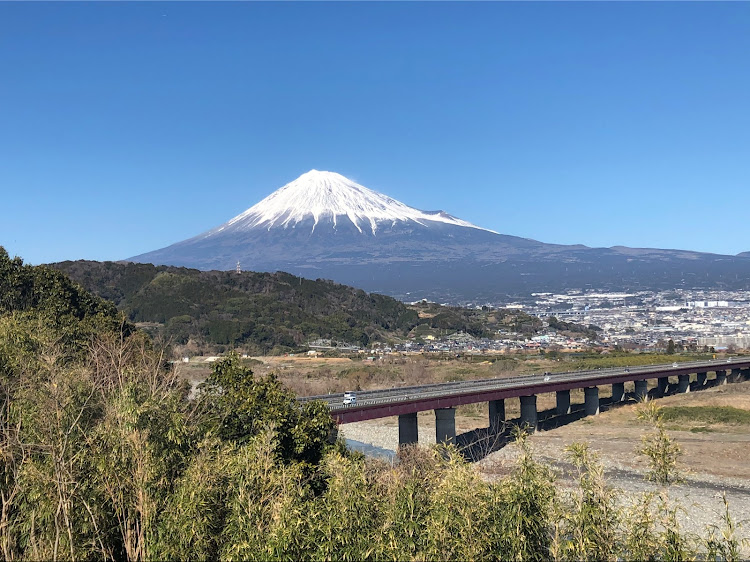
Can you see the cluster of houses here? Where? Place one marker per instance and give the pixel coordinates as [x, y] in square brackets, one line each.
[462, 342]
[643, 321]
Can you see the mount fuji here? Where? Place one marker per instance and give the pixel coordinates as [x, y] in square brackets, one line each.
[323, 225]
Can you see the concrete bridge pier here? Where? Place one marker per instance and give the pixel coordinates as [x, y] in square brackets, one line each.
[683, 384]
[528, 413]
[641, 390]
[663, 385]
[618, 391]
[563, 402]
[445, 425]
[700, 378]
[736, 375]
[721, 377]
[591, 404]
[408, 433]
[497, 413]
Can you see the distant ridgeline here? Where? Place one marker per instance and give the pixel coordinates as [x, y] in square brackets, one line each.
[42, 294]
[263, 312]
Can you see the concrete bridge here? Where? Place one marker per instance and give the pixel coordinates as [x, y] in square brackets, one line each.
[406, 402]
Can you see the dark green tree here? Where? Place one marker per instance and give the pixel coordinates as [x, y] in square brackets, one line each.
[237, 406]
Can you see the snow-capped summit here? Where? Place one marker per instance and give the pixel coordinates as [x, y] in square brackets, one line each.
[327, 197]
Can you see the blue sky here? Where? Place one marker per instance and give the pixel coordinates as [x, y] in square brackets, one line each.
[125, 127]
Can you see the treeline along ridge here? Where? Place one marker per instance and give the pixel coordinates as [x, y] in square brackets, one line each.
[261, 312]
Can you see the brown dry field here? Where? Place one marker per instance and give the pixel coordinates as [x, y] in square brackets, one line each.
[308, 376]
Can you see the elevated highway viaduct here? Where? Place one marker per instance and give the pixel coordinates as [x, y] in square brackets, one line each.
[406, 402]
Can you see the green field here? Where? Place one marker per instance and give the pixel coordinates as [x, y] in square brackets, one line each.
[706, 415]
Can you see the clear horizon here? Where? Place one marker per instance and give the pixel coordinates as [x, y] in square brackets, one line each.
[127, 127]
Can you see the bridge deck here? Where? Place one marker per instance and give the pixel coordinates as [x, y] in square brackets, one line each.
[406, 400]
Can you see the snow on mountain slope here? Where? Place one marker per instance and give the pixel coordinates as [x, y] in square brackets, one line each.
[328, 196]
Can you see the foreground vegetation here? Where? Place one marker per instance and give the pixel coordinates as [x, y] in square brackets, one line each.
[104, 456]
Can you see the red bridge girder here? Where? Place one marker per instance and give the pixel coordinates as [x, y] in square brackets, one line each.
[374, 411]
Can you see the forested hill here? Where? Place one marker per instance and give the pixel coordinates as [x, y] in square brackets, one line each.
[259, 311]
[42, 294]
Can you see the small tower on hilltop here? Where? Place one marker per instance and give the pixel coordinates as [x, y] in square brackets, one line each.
[239, 269]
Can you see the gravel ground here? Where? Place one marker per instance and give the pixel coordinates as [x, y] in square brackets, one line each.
[384, 436]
